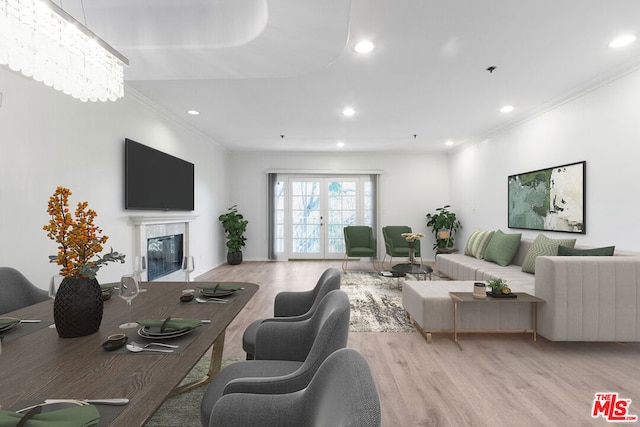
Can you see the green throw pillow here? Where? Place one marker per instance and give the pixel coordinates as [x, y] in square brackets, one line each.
[543, 246]
[502, 247]
[604, 251]
[477, 243]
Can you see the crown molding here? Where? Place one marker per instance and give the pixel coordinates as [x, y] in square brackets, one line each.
[131, 93]
[577, 92]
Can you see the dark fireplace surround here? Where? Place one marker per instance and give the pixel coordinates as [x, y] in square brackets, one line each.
[164, 255]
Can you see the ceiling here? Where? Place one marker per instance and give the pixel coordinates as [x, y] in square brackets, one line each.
[276, 74]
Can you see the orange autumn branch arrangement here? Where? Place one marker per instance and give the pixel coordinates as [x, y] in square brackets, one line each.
[79, 240]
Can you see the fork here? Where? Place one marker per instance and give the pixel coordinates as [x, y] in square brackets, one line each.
[153, 343]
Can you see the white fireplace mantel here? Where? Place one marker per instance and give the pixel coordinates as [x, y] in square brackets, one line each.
[163, 219]
[145, 226]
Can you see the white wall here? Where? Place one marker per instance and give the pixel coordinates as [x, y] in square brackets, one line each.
[601, 127]
[49, 139]
[411, 186]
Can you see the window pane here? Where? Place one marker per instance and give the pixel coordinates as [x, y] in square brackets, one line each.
[303, 246]
[336, 245]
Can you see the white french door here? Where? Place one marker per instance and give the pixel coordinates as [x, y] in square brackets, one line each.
[316, 209]
[306, 218]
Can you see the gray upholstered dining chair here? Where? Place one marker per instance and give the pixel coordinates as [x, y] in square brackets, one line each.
[293, 307]
[342, 393]
[288, 354]
[16, 291]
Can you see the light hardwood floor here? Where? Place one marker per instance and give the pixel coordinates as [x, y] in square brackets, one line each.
[496, 380]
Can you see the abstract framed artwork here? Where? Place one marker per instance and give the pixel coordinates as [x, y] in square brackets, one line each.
[551, 199]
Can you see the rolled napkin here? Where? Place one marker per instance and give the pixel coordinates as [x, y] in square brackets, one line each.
[172, 324]
[74, 416]
[4, 321]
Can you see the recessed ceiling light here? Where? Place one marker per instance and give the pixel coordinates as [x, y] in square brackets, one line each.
[193, 112]
[348, 111]
[364, 46]
[339, 144]
[622, 41]
[506, 109]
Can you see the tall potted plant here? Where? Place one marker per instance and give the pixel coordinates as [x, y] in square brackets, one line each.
[234, 226]
[444, 225]
[78, 306]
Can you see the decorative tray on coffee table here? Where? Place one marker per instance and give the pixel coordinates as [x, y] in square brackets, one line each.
[492, 295]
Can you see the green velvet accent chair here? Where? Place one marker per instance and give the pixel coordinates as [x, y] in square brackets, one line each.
[397, 246]
[359, 243]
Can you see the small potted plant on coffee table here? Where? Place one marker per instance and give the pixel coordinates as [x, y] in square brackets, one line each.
[498, 287]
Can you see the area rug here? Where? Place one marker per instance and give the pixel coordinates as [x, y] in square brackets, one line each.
[184, 410]
[376, 303]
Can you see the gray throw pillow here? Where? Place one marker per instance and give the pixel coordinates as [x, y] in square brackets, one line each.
[543, 246]
[502, 247]
[604, 251]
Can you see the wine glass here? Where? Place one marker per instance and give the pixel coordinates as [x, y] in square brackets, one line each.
[188, 266]
[139, 267]
[54, 284]
[129, 289]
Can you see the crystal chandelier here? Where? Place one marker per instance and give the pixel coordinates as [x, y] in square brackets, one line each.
[43, 42]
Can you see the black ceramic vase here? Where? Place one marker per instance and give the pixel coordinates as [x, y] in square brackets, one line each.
[77, 308]
[234, 258]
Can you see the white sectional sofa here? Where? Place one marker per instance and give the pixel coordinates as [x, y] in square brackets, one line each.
[458, 266]
[587, 298]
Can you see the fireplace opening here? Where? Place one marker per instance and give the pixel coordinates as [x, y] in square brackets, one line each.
[164, 255]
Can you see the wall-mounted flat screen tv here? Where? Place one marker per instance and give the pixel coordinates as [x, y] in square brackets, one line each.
[156, 180]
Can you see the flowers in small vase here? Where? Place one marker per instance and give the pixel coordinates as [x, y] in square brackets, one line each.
[412, 237]
[411, 241]
[79, 239]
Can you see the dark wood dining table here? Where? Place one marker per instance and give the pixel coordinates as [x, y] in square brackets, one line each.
[41, 365]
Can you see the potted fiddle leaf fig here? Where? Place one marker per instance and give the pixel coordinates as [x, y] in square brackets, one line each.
[234, 226]
[444, 225]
